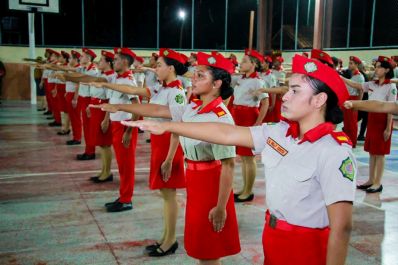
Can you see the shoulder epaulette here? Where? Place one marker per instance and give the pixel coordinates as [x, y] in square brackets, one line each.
[341, 138]
[219, 111]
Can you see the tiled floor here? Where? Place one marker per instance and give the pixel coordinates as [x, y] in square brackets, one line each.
[51, 214]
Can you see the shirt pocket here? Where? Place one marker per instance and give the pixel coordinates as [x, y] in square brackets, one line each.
[300, 179]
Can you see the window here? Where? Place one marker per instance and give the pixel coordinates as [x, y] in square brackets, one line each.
[14, 25]
[361, 20]
[386, 23]
[335, 23]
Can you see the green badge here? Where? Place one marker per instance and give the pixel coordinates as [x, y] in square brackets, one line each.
[347, 169]
[179, 99]
[394, 91]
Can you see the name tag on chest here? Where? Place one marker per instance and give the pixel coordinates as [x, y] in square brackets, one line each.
[277, 147]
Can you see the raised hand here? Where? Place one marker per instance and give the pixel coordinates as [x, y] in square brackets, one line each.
[105, 107]
[150, 126]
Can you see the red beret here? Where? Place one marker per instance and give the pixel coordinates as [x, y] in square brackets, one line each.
[154, 54]
[184, 57]
[255, 54]
[76, 54]
[268, 59]
[355, 59]
[395, 58]
[169, 53]
[65, 54]
[89, 52]
[217, 61]
[125, 51]
[140, 59]
[306, 54]
[107, 54]
[279, 59]
[194, 55]
[318, 70]
[384, 59]
[321, 56]
[51, 51]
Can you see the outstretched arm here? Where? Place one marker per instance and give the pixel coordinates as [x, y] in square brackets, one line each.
[126, 89]
[372, 106]
[146, 110]
[213, 132]
[355, 85]
[79, 77]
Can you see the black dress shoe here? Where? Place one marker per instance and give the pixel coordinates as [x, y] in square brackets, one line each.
[42, 109]
[379, 189]
[84, 157]
[152, 247]
[364, 187]
[247, 199]
[47, 112]
[361, 138]
[159, 252]
[54, 124]
[236, 195]
[119, 207]
[98, 180]
[73, 142]
[63, 132]
[111, 203]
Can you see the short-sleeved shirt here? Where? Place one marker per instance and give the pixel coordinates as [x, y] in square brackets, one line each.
[385, 92]
[102, 92]
[50, 79]
[150, 78]
[185, 81]
[305, 176]
[139, 79]
[356, 77]
[45, 74]
[115, 97]
[167, 95]
[280, 76]
[70, 86]
[197, 150]
[244, 90]
[91, 70]
[269, 79]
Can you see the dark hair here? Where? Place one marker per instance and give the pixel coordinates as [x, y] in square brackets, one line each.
[387, 65]
[75, 57]
[179, 67]
[129, 59]
[333, 112]
[335, 61]
[256, 61]
[219, 74]
[110, 61]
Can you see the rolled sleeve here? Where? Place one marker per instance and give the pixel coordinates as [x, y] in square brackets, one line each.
[259, 135]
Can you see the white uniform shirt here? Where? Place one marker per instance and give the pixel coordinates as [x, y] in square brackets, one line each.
[303, 178]
[213, 112]
[139, 79]
[396, 72]
[91, 70]
[356, 77]
[280, 76]
[244, 89]
[45, 74]
[150, 78]
[70, 86]
[269, 79]
[167, 95]
[50, 79]
[101, 92]
[185, 81]
[116, 97]
[384, 92]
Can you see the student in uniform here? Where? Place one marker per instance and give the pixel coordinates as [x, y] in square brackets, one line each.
[245, 111]
[44, 81]
[280, 76]
[51, 82]
[167, 159]
[270, 82]
[351, 116]
[60, 97]
[378, 135]
[139, 76]
[309, 200]
[322, 56]
[395, 61]
[211, 229]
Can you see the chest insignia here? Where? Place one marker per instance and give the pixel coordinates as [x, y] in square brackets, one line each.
[277, 147]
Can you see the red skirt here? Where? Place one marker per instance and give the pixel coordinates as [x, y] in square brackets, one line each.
[159, 149]
[244, 116]
[374, 141]
[269, 116]
[351, 122]
[296, 245]
[61, 97]
[97, 137]
[200, 239]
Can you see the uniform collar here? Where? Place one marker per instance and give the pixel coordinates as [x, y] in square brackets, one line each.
[386, 81]
[109, 72]
[91, 66]
[356, 72]
[268, 72]
[279, 69]
[125, 74]
[175, 83]
[77, 65]
[209, 107]
[312, 135]
[252, 75]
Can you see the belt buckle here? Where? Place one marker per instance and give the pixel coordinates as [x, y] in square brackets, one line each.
[272, 221]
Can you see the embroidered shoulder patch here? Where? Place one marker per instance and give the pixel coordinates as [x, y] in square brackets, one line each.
[179, 99]
[277, 147]
[347, 169]
[394, 91]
